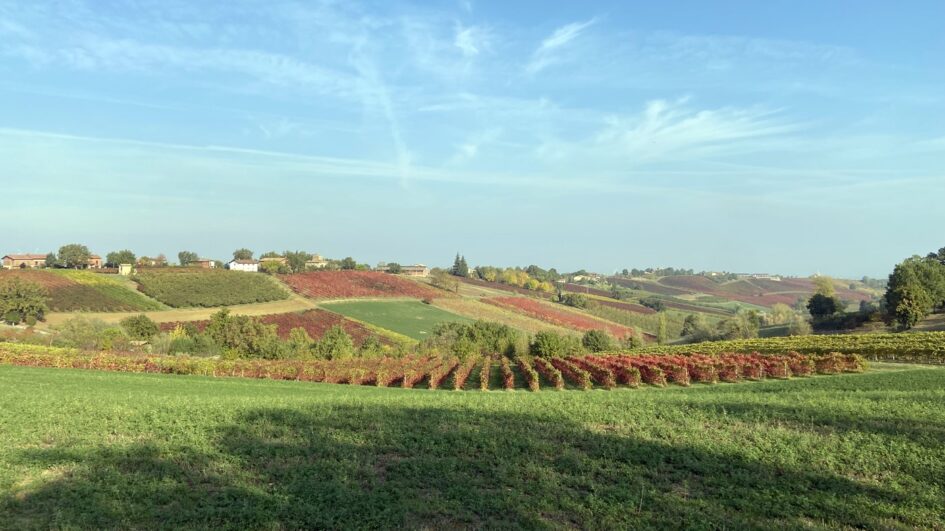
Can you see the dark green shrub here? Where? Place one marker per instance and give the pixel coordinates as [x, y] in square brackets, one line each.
[140, 327]
[548, 344]
[597, 341]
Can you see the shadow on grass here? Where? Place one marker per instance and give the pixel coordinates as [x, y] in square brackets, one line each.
[386, 467]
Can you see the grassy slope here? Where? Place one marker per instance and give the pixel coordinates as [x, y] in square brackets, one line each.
[413, 319]
[475, 309]
[161, 451]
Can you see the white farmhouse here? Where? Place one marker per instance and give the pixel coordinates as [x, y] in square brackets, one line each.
[251, 266]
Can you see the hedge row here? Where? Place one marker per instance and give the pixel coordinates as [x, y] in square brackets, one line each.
[917, 347]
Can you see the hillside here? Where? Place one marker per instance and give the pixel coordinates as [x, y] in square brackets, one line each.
[86, 291]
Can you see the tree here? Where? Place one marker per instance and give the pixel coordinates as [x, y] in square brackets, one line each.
[822, 306]
[915, 287]
[695, 329]
[296, 260]
[661, 329]
[823, 285]
[348, 263]
[460, 267]
[799, 327]
[394, 268]
[597, 341]
[242, 254]
[336, 344]
[443, 280]
[909, 304]
[185, 258]
[547, 344]
[300, 343]
[116, 258]
[781, 314]
[575, 300]
[51, 260]
[23, 298]
[74, 256]
[140, 327]
[938, 256]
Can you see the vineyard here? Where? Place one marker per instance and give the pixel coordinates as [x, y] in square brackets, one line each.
[314, 322]
[207, 288]
[918, 347]
[505, 287]
[72, 290]
[352, 284]
[561, 317]
[433, 372]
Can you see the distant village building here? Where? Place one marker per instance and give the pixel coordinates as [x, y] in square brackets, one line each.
[95, 261]
[317, 262]
[250, 266]
[203, 263]
[416, 270]
[758, 276]
[146, 261]
[125, 269]
[24, 261]
[281, 260]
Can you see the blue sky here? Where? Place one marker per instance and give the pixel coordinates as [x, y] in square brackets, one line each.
[792, 137]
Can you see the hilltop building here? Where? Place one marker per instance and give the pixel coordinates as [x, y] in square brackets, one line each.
[317, 262]
[250, 266]
[24, 261]
[416, 270]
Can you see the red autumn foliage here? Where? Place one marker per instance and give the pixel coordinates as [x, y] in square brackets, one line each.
[548, 313]
[351, 284]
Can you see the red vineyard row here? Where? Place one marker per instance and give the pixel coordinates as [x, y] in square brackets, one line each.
[548, 313]
[348, 284]
[431, 372]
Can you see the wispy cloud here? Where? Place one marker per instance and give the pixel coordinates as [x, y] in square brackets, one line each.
[546, 53]
[673, 129]
[471, 40]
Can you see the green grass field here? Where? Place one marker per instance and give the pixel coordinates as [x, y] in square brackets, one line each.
[84, 449]
[413, 319]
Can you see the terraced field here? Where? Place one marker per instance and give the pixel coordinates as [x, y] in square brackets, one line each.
[86, 291]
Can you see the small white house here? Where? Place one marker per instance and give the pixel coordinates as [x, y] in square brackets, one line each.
[251, 266]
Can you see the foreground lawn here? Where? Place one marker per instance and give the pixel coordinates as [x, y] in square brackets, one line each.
[413, 319]
[83, 449]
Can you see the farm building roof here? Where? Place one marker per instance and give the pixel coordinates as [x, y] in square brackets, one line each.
[244, 262]
[26, 256]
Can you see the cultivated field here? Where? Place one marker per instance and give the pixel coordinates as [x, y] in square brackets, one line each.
[560, 316]
[96, 450]
[413, 319]
[86, 291]
[477, 310]
[315, 322]
[188, 287]
[354, 284]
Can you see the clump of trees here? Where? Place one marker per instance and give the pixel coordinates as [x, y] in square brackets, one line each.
[531, 278]
[915, 288]
[22, 301]
[743, 325]
[116, 258]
